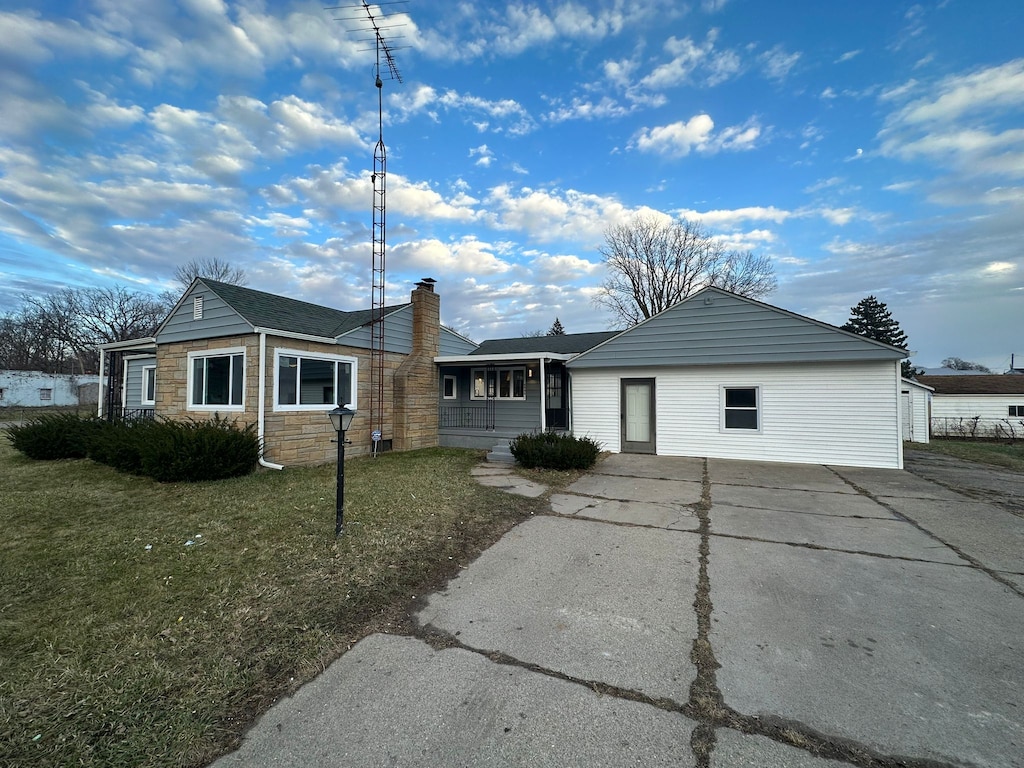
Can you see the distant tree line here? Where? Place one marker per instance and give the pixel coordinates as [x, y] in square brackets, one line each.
[59, 332]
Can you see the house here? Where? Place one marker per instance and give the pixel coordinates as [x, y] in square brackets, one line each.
[916, 408]
[282, 364]
[36, 389]
[724, 376]
[976, 406]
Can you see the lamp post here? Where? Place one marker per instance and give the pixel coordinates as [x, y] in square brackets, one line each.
[341, 420]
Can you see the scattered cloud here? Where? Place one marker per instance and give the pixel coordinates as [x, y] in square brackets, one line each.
[777, 63]
[697, 134]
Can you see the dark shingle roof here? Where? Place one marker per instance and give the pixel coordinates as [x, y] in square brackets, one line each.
[567, 344]
[268, 310]
[974, 385]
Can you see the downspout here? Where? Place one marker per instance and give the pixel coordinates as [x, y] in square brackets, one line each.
[543, 402]
[261, 410]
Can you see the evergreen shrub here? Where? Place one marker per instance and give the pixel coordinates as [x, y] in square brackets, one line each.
[54, 436]
[553, 450]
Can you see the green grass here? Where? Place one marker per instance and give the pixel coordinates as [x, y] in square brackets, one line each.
[115, 654]
[1009, 456]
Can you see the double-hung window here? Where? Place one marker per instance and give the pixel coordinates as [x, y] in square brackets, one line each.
[499, 383]
[217, 380]
[313, 381]
[148, 385]
[741, 409]
[1016, 410]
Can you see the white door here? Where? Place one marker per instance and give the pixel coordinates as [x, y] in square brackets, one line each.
[637, 416]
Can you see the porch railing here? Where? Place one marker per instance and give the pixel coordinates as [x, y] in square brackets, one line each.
[466, 417]
[117, 413]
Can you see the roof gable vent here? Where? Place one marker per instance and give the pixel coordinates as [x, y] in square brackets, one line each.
[197, 307]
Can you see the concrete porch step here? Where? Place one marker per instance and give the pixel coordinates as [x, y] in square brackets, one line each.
[501, 454]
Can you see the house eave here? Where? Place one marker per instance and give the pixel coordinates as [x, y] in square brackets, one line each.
[507, 358]
[129, 345]
[295, 335]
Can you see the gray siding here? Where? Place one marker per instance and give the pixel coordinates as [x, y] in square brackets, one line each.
[133, 381]
[218, 319]
[715, 328]
[453, 344]
[397, 333]
[513, 416]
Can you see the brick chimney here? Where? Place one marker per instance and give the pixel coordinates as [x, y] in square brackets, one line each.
[415, 387]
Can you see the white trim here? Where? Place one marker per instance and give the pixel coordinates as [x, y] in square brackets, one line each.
[261, 408]
[480, 360]
[142, 394]
[758, 409]
[114, 346]
[543, 398]
[327, 356]
[218, 352]
[124, 386]
[497, 382]
[455, 387]
[295, 335]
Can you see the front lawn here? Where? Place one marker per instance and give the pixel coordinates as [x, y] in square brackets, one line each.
[1009, 456]
[147, 625]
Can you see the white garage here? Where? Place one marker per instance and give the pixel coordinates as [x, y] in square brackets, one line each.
[723, 376]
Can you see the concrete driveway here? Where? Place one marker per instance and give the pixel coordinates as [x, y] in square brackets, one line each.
[693, 612]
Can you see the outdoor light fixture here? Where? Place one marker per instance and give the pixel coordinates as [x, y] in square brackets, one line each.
[341, 419]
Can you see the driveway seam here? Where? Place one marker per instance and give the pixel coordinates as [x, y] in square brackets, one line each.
[995, 575]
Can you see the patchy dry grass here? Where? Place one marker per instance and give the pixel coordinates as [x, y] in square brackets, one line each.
[147, 625]
[1008, 456]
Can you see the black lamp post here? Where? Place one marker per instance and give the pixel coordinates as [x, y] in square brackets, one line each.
[341, 419]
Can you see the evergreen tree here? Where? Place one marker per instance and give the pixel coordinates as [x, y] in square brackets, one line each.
[872, 319]
[556, 328]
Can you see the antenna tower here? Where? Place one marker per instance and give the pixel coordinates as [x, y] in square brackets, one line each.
[375, 18]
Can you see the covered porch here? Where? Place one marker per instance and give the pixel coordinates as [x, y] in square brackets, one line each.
[130, 370]
[485, 400]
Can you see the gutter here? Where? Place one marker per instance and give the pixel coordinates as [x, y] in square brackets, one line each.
[261, 411]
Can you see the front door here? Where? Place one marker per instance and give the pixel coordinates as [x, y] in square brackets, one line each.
[637, 416]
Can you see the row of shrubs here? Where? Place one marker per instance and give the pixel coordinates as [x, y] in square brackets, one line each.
[553, 450]
[167, 451]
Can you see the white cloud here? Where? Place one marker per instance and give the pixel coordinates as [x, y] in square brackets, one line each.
[693, 62]
[484, 156]
[777, 63]
[697, 134]
[733, 217]
[848, 55]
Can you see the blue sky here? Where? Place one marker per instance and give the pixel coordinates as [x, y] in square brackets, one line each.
[874, 147]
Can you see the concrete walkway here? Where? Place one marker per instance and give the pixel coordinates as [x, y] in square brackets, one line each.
[692, 612]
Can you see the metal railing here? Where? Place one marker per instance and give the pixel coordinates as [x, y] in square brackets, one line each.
[117, 413]
[465, 417]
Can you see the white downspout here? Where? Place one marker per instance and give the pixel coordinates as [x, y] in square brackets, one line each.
[543, 402]
[102, 389]
[261, 410]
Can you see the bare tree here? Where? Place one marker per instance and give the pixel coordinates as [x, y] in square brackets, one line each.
[956, 364]
[653, 264]
[211, 267]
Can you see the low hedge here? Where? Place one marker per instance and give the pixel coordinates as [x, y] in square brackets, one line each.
[168, 451]
[553, 450]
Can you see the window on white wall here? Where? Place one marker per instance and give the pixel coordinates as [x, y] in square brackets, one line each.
[741, 408]
[148, 385]
[217, 380]
[1015, 410]
[313, 381]
[46, 394]
[499, 383]
[450, 391]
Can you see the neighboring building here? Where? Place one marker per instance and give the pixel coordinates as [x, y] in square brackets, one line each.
[723, 376]
[283, 364]
[976, 406]
[29, 389]
[916, 407]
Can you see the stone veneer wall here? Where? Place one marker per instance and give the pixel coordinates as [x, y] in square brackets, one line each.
[290, 437]
[415, 381]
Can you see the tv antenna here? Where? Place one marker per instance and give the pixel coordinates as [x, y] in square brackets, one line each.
[379, 24]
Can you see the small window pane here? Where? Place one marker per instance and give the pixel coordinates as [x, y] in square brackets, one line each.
[345, 384]
[148, 385]
[505, 384]
[740, 419]
[449, 387]
[519, 383]
[198, 383]
[316, 382]
[492, 383]
[218, 380]
[478, 384]
[287, 380]
[741, 398]
[237, 378]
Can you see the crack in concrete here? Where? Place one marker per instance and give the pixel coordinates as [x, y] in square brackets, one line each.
[975, 562]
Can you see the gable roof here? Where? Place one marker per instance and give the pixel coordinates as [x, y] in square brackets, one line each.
[564, 344]
[975, 385]
[272, 312]
[716, 327]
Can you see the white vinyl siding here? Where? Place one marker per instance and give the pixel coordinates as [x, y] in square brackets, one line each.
[915, 401]
[954, 414]
[825, 413]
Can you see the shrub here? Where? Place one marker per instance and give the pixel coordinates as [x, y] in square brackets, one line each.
[552, 450]
[119, 444]
[54, 436]
[174, 451]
